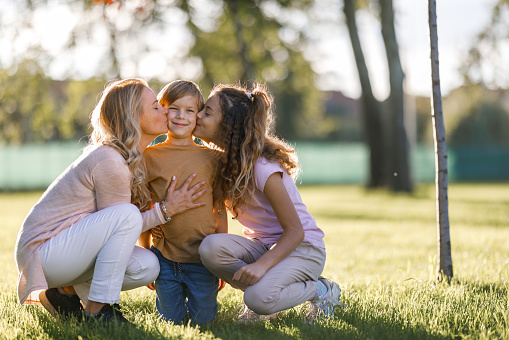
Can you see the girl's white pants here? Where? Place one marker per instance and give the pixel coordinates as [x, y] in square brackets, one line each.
[288, 284]
[97, 255]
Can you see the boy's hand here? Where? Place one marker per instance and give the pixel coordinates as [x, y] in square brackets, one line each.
[157, 232]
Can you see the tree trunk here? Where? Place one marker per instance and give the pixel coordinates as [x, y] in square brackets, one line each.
[444, 257]
[371, 108]
[247, 68]
[399, 165]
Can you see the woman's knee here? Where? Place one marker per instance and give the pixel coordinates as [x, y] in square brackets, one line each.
[131, 215]
[143, 266]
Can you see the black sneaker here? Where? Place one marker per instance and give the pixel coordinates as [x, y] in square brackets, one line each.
[107, 313]
[61, 305]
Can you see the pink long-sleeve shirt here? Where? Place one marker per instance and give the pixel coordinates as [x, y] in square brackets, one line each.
[99, 178]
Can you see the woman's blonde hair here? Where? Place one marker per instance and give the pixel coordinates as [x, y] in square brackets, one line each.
[244, 136]
[116, 123]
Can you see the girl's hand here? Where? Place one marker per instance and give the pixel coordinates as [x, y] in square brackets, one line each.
[250, 274]
[178, 201]
[157, 232]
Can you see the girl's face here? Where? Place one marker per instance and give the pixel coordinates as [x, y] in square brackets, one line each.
[182, 118]
[153, 120]
[208, 120]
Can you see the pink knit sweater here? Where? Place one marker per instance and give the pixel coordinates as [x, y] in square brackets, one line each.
[99, 178]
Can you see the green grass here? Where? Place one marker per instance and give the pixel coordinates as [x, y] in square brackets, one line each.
[381, 249]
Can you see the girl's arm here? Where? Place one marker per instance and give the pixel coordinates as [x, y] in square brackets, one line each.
[221, 218]
[292, 236]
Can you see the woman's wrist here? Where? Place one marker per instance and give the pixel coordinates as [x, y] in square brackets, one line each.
[164, 212]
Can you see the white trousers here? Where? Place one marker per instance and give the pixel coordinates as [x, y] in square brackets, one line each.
[97, 255]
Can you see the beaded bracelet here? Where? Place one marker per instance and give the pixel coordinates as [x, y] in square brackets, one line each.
[163, 210]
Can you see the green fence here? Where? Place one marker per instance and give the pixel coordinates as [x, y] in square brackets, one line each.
[29, 167]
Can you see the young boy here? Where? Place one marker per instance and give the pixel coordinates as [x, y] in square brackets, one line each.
[184, 287]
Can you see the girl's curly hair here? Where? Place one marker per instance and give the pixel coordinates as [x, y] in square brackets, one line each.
[244, 136]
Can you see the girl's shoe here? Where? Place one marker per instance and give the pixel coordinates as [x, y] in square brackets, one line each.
[107, 313]
[324, 305]
[61, 305]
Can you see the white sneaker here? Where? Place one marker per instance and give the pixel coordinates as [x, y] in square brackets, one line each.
[246, 315]
[324, 305]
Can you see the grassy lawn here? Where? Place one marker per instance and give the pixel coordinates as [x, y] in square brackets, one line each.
[381, 249]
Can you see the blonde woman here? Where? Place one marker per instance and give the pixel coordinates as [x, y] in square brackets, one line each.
[279, 261]
[78, 241]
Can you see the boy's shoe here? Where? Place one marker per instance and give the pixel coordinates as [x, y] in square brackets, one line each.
[246, 315]
[107, 313]
[324, 305]
[59, 304]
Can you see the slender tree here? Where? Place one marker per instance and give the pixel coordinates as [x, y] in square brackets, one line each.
[444, 241]
[371, 107]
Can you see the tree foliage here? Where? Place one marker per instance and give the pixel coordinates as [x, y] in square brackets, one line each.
[35, 108]
[486, 61]
[219, 42]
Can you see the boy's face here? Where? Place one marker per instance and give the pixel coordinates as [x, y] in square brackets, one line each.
[182, 117]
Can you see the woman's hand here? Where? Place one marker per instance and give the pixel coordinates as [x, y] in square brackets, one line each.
[178, 201]
[250, 274]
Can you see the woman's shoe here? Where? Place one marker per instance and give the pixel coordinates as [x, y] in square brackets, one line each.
[61, 305]
[107, 313]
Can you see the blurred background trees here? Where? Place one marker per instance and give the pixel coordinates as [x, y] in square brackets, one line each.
[227, 41]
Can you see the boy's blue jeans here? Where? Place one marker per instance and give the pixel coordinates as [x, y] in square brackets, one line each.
[184, 288]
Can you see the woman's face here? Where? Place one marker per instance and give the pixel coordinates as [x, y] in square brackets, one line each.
[208, 120]
[153, 118]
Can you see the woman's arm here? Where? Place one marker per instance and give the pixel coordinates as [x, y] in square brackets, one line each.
[176, 202]
[221, 218]
[292, 236]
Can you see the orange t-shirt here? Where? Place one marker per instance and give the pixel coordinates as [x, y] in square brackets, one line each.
[184, 233]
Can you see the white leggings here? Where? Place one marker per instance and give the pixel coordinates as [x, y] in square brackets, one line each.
[288, 284]
[97, 255]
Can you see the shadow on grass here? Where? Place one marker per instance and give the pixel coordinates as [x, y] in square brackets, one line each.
[379, 327]
[346, 325]
[72, 329]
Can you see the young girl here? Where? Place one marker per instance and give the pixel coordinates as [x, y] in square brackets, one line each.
[279, 261]
[184, 287]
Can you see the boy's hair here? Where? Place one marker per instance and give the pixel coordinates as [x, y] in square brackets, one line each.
[244, 135]
[178, 89]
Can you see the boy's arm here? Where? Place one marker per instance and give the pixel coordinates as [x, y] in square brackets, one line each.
[144, 239]
[221, 218]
